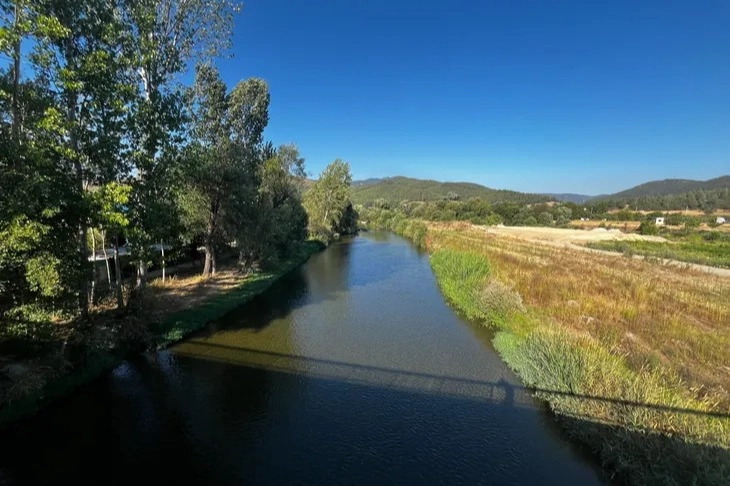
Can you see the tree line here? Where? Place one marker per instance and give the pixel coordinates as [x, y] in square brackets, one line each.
[474, 210]
[707, 200]
[104, 148]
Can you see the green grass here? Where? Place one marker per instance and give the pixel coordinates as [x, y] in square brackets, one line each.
[692, 250]
[461, 275]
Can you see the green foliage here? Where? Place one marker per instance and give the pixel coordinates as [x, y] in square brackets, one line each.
[648, 228]
[670, 194]
[100, 143]
[545, 219]
[396, 189]
[709, 248]
[327, 199]
[462, 276]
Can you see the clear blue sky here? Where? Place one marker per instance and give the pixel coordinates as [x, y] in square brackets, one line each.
[543, 96]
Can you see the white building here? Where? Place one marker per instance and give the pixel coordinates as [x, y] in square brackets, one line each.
[720, 220]
[659, 222]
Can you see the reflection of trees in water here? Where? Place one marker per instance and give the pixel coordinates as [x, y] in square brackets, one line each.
[327, 271]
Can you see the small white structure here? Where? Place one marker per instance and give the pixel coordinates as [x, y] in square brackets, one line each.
[720, 220]
[659, 222]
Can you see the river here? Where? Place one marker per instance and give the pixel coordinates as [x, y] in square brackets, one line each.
[350, 370]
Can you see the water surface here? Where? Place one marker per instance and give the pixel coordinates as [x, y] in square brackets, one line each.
[351, 370]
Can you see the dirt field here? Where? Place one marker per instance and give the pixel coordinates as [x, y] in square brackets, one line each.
[560, 235]
[627, 226]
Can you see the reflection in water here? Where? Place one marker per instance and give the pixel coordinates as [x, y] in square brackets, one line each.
[351, 370]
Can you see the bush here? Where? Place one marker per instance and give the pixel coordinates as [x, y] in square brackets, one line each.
[545, 219]
[648, 228]
[498, 302]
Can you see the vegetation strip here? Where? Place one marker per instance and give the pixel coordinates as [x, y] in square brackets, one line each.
[711, 253]
[171, 330]
[644, 421]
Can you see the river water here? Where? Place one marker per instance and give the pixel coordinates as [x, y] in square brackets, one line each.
[351, 370]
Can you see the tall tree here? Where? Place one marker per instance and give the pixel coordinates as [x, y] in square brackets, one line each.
[222, 173]
[279, 221]
[327, 199]
[167, 36]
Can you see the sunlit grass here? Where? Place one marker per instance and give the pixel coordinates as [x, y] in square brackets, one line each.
[712, 253]
[649, 342]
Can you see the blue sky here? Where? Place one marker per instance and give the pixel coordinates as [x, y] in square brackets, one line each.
[541, 96]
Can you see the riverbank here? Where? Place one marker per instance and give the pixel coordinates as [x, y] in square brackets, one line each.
[631, 356]
[165, 314]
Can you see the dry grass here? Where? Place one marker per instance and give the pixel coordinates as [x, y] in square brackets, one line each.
[657, 316]
[631, 355]
[181, 293]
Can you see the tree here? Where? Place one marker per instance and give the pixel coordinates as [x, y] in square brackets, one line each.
[545, 219]
[347, 225]
[110, 202]
[222, 169]
[84, 69]
[563, 215]
[166, 35]
[281, 221]
[328, 198]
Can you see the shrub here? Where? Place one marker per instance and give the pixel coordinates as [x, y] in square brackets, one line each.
[648, 228]
[545, 219]
[499, 301]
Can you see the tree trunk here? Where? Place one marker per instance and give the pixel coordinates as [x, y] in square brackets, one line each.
[209, 267]
[162, 249]
[92, 293]
[83, 249]
[118, 276]
[106, 260]
[16, 78]
[151, 147]
[142, 275]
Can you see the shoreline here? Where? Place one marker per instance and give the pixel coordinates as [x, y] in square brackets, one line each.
[642, 425]
[174, 328]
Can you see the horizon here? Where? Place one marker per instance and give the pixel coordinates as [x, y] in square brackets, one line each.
[548, 193]
[568, 98]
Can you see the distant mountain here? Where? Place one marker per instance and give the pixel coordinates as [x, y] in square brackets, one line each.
[668, 187]
[396, 189]
[367, 182]
[567, 197]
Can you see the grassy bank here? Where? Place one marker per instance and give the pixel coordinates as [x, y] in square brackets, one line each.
[714, 253]
[632, 357]
[180, 324]
[162, 324]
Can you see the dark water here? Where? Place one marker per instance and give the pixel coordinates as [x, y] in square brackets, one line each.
[352, 370]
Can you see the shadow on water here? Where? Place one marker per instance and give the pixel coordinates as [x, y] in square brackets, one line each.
[224, 427]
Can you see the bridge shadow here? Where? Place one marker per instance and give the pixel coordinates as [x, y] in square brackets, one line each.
[253, 417]
[284, 362]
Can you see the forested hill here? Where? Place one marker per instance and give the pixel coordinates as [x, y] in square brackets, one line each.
[669, 187]
[396, 189]
[569, 197]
